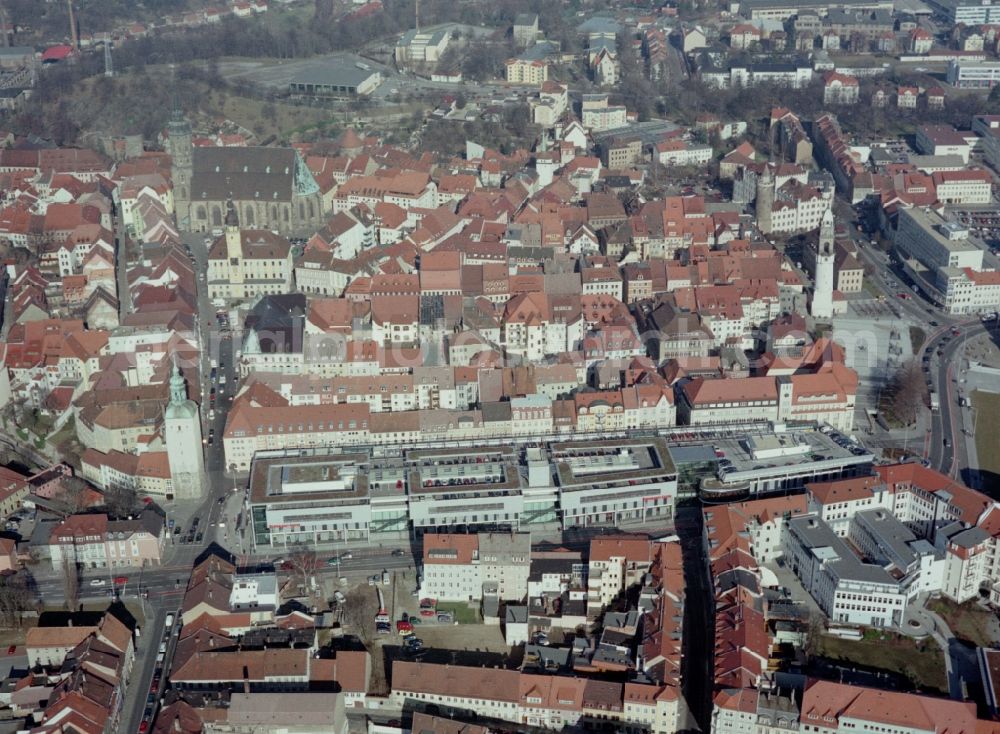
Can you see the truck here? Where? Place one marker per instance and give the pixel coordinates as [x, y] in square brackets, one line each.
[169, 622]
[935, 403]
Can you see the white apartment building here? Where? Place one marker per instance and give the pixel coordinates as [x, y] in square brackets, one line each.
[532, 72]
[827, 707]
[936, 242]
[968, 291]
[825, 397]
[537, 700]
[847, 590]
[532, 329]
[913, 521]
[456, 567]
[417, 48]
[942, 140]
[835, 503]
[681, 153]
[963, 187]
[945, 262]
[973, 74]
[598, 118]
[799, 209]
[243, 264]
[987, 127]
[795, 76]
[551, 104]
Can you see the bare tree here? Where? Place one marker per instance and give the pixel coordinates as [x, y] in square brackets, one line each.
[906, 394]
[15, 412]
[15, 599]
[814, 632]
[72, 497]
[303, 562]
[120, 500]
[359, 613]
[71, 583]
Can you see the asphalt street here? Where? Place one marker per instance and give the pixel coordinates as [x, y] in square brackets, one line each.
[945, 445]
[948, 441]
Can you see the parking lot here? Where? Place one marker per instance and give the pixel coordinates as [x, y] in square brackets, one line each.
[872, 309]
[439, 642]
[473, 645]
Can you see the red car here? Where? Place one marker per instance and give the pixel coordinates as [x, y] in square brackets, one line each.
[12, 649]
[402, 626]
[121, 580]
[143, 727]
[427, 613]
[427, 603]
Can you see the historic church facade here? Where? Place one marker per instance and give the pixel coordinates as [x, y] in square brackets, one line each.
[271, 188]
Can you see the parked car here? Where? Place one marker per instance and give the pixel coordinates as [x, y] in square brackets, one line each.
[426, 612]
[97, 582]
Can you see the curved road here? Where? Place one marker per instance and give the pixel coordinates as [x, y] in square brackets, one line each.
[943, 371]
[946, 424]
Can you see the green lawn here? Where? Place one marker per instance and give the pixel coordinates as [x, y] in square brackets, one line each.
[464, 614]
[920, 661]
[967, 621]
[987, 422]
[68, 431]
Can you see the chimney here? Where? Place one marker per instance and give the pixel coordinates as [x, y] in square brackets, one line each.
[73, 31]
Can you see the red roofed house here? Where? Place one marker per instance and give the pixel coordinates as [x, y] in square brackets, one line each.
[840, 88]
[906, 97]
[55, 54]
[744, 36]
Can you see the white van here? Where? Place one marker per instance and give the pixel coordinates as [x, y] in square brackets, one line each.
[169, 623]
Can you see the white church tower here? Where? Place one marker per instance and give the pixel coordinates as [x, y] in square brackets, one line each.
[822, 300]
[182, 433]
